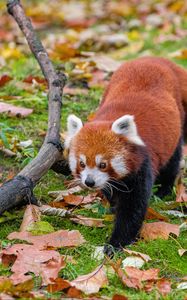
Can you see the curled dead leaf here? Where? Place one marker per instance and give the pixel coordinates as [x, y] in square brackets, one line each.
[92, 282]
[58, 239]
[32, 214]
[145, 257]
[15, 110]
[90, 222]
[4, 79]
[154, 215]
[154, 230]
[181, 195]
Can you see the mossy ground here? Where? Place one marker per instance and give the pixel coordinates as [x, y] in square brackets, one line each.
[164, 253]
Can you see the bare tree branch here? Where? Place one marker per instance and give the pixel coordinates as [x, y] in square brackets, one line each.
[20, 188]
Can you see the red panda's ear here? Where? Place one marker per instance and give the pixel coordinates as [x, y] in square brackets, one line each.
[126, 126]
[74, 124]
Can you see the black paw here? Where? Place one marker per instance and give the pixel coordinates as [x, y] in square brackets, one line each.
[110, 250]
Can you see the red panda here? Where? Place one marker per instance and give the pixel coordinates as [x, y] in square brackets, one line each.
[134, 141]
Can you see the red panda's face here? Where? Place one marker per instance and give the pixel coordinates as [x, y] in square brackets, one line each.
[97, 154]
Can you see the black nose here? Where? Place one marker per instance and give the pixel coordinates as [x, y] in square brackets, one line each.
[89, 182]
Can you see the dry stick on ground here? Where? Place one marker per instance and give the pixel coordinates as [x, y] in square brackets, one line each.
[20, 188]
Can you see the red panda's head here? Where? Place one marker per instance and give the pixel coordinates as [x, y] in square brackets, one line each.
[102, 151]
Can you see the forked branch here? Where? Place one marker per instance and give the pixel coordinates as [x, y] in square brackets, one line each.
[20, 188]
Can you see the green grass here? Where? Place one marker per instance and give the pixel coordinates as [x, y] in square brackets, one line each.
[164, 253]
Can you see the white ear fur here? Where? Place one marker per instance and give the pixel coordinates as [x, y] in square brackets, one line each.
[74, 124]
[127, 127]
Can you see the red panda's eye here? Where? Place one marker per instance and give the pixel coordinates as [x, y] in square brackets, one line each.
[82, 164]
[102, 165]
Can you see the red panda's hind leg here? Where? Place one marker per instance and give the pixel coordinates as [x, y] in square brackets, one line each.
[169, 172]
[131, 207]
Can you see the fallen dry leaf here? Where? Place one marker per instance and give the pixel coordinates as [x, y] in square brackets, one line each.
[143, 275]
[58, 239]
[91, 222]
[151, 214]
[32, 79]
[98, 79]
[182, 251]
[133, 261]
[15, 110]
[133, 277]
[181, 195]
[4, 79]
[152, 231]
[105, 63]
[45, 263]
[119, 297]
[163, 285]
[78, 200]
[92, 282]
[32, 214]
[74, 293]
[21, 290]
[145, 257]
[58, 284]
[74, 200]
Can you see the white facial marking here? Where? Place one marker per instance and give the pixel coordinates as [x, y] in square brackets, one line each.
[72, 162]
[74, 124]
[83, 158]
[127, 127]
[99, 177]
[98, 159]
[118, 165]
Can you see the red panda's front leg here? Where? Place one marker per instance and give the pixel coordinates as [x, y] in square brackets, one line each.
[131, 208]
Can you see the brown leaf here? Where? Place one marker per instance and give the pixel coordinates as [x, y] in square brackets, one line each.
[133, 277]
[78, 200]
[145, 257]
[73, 292]
[58, 239]
[143, 275]
[163, 285]
[45, 263]
[4, 79]
[152, 231]
[90, 222]
[15, 110]
[98, 79]
[32, 214]
[32, 79]
[92, 282]
[58, 284]
[154, 215]
[119, 297]
[181, 195]
[20, 291]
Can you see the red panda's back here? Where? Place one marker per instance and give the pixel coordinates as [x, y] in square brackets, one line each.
[148, 89]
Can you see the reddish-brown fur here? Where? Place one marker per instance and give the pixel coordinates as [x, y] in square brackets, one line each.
[151, 89]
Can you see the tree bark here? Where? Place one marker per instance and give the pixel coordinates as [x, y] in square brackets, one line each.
[20, 188]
